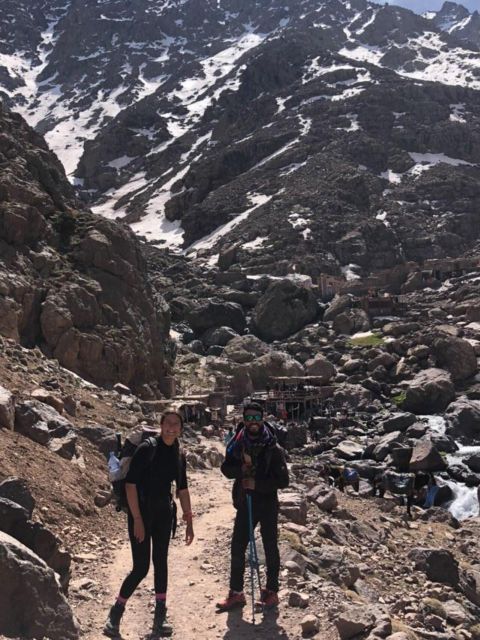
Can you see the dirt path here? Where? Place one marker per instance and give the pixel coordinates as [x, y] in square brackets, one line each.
[198, 577]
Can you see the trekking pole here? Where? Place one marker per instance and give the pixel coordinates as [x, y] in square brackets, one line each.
[252, 555]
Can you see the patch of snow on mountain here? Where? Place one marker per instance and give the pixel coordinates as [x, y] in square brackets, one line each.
[348, 93]
[354, 124]
[462, 24]
[208, 241]
[452, 66]
[391, 176]
[305, 125]
[255, 244]
[363, 53]
[154, 225]
[458, 111]
[370, 21]
[432, 159]
[291, 168]
[281, 104]
[119, 163]
[349, 272]
[297, 221]
[107, 208]
[213, 69]
[314, 70]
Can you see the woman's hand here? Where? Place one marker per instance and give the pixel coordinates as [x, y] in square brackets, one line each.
[189, 535]
[138, 530]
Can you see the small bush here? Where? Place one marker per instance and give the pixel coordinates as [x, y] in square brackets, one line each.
[475, 631]
[432, 605]
[398, 626]
[294, 541]
[400, 398]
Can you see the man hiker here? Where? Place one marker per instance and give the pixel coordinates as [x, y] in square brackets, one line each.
[257, 464]
[151, 516]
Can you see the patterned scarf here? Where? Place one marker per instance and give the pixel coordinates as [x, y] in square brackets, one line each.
[244, 443]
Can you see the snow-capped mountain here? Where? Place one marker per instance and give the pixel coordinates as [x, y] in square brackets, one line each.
[318, 134]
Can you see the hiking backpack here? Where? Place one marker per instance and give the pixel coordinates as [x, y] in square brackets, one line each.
[125, 454]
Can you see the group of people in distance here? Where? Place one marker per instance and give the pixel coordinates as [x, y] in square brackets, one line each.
[254, 461]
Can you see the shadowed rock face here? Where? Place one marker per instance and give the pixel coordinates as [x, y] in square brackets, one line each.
[74, 284]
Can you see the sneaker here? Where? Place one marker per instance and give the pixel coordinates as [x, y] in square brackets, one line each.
[269, 599]
[112, 626]
[161, 627]
[232, 601]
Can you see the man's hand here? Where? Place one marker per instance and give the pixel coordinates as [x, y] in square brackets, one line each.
[138, 530]
[189, 535]
[248, 484]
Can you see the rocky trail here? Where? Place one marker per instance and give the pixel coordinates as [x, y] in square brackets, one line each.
[198, 578]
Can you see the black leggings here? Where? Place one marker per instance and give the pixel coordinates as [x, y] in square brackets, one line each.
[157, 537]
[265, 512]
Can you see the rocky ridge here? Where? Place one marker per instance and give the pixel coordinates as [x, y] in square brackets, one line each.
[71, 283]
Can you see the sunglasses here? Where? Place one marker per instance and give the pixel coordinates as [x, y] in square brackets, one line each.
[253, 418]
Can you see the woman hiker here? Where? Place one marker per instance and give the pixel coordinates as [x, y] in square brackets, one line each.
[150, 518]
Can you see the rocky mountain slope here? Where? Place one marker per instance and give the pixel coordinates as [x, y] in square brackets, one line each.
[353, 565]
[72, 283]
[345, 130]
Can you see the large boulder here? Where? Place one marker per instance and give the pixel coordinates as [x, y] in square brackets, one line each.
[431, 391]
[283, 309]
[337, 306]
[102, 437]
[213, 313]
[463, 419]
[353, 621]
[320, 367]
[14, 520]
[41, 422]
[456, 355]
[273, 364]
[470, 584]
[398, 422]
[426, 457]
[7, 409]
[385, 445]
[245, 349]
[333, 562]
[32, 602]
[16, 490]
[349, 450]
[351, 321]
[218, 336]
[294, 507]
[439, 565]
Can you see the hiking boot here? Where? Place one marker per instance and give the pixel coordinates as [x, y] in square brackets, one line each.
[161, 626]
[232, 601]
[112, 626]
[269, 599]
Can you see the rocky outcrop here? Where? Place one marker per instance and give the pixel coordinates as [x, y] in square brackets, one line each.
[430, 391]
[284, 309]
[457, 356]
[463, 419]
[31, 597]
[73, 284]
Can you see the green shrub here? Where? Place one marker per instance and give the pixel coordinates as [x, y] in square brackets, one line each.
[400, 398]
